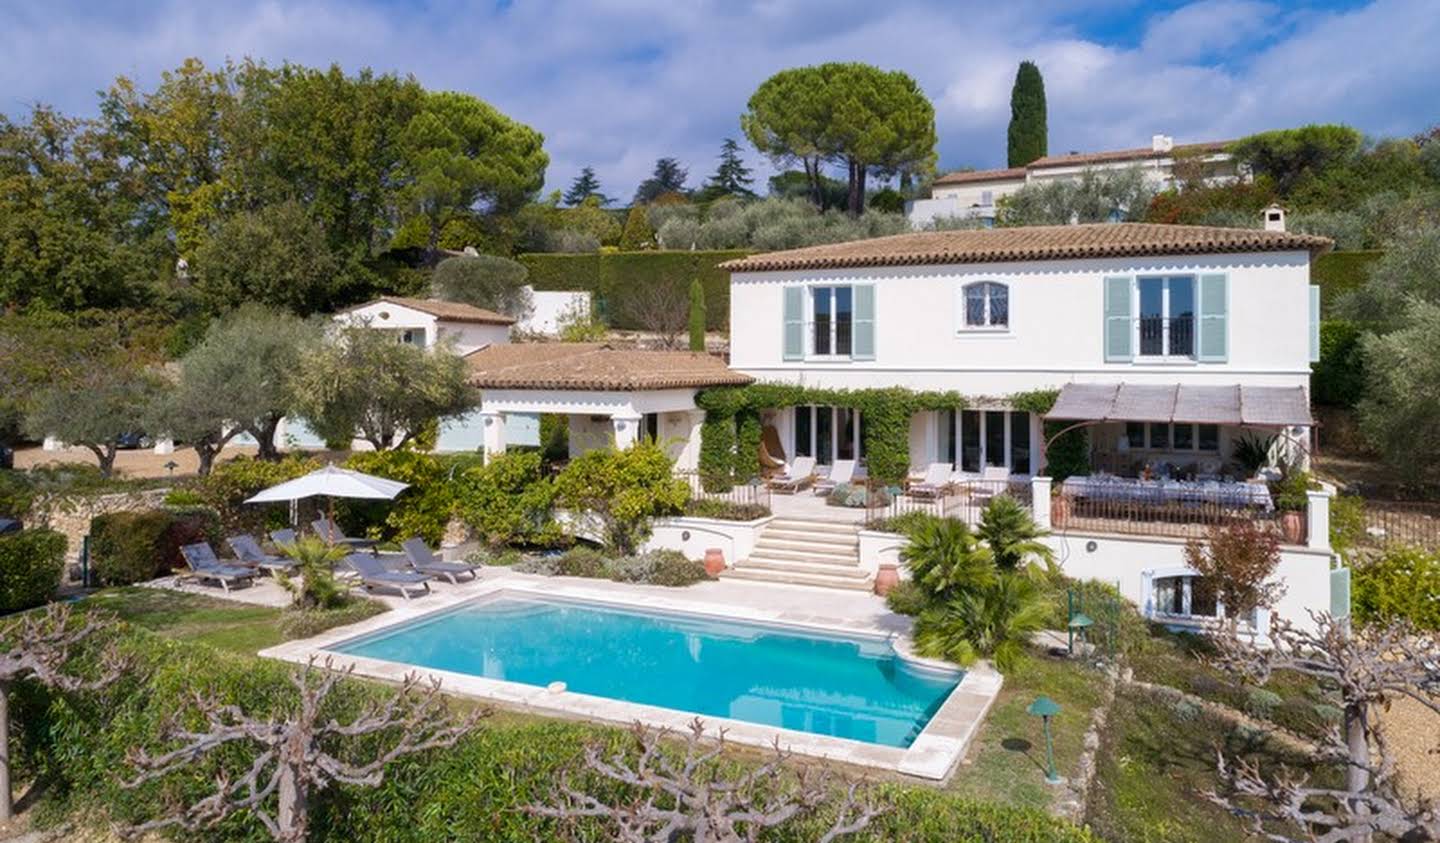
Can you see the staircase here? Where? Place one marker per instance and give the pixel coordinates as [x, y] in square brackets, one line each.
[806, 551]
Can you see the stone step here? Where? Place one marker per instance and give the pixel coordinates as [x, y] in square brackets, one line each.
[807, 525]
[815, 555]
[835, 569]
[792, 578]
[817, 538]
[802, 546]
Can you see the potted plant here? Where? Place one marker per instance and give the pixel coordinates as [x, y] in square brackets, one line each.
[886, 578]
[1059, 509]
[1292, 499]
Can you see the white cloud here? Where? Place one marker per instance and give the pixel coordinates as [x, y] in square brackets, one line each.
[619, 83]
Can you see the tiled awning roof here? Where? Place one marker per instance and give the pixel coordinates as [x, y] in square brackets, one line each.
[1033, 243]
[595, 367]
[1261, 406]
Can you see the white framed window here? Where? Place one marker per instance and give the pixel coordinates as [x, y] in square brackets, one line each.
[1184, 596]
[1165, 328]
[973, 439]
[985, 305]
[828, 434]
[1172, 438]
[832, 321]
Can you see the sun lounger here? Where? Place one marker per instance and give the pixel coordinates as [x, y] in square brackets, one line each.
[373, 574]
[994, 480]
[248, 551]
[799, 475]
[330, 532]
[206, 565]
[283, 538]
[422, 559]
[935, 483]
[843, 471]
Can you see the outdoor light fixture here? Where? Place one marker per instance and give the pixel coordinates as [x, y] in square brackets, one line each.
[1045, 708]
[171, 465]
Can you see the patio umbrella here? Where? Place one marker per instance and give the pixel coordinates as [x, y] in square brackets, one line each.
[331, 482]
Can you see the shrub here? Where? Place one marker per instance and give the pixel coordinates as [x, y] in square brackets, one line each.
[509, 500]
[620, 492]
[905, 524]
[1236, 561]
[1403, 584]
[1119, 627]
[125, 547]
[583, 562]
[228, 485]
[1012, 535]
[945, 559]
[1261, 702]
[907, 598]
[725, 510]
[671, 568]
[182, 496]
[993, 620]
[316, 588]
[31, 562]
[424, 509]
[1185, 710]
[304, 623]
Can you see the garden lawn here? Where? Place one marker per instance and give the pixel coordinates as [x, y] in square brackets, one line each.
[225, 624]
[1006, 763]
[1155, 762]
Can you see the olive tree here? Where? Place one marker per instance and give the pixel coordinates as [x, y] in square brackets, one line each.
[487, 281]
[1397, 414]
[95, 409]
[362, 382]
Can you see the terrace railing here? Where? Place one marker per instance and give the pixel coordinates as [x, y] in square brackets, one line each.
[742, 494]
[1193, 515]
[1389, 523]
[965, 500]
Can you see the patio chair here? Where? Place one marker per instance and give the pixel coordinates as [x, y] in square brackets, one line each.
[424, 560]
[283, 538]
[797, 476]
[330, 532]
[248, 551]
[994, 480]
[936, 482]
[205, 565]
[772, 454]
[373, 574]
[843, 471]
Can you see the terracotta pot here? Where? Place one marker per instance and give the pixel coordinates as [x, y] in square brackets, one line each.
[887, 578]
[1059, 511]
[714, 561]
[1292, 526]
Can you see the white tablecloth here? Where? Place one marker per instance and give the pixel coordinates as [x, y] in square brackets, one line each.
[1253, 495]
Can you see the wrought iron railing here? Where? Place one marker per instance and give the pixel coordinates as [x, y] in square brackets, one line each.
[965, 500]
[741, 494]
[1389, 523]
[1186, 514]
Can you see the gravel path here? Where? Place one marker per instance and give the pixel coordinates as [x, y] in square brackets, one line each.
[1413, 734]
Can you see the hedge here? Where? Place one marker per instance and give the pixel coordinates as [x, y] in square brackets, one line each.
[473, 791]
[132, 547]
[30, 565]
[612, 276]
[1338, 273]
[1338, 380]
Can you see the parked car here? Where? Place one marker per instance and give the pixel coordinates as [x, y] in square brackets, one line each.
[134, 440]
[7, 456]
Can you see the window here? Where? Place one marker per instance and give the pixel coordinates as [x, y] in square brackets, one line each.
[987, 198]
[413, 336]
[1166, 327]
[1185, 596]
[1158, 436]
[652, 426]
[971, 439]
[832, 320]
[829, 434]
[987, 305]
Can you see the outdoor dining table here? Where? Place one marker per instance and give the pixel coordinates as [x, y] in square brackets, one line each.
[1160, 491]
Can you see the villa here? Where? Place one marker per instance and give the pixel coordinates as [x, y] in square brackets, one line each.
[1169, 349]
[974, 194]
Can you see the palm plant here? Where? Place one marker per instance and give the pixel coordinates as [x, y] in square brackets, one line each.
[994, 621]
[1013, 536]
[1252, 453]
[945, 558]
[315, 562]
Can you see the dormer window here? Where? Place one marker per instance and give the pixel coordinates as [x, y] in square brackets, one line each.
[986, 305]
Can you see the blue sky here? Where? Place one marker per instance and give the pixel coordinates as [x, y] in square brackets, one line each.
[617, 83]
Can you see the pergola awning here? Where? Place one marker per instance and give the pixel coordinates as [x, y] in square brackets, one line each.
[1255, 406]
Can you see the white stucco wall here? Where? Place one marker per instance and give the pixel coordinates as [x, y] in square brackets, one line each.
[973, 193]
[693, 536]
[469, 336]
[1056, 330]
[548, 306]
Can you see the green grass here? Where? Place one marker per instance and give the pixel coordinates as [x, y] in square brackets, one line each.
[1155, 763]
[1007, 761]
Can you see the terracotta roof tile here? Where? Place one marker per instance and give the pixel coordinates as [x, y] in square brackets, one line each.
[595, 366]
[1032, 243]
[450, 311]
[972, 176]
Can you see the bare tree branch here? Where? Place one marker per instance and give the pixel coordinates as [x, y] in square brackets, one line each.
[292, 757]
[693, 795]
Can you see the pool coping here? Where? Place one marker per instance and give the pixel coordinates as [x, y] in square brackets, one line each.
[933, 755]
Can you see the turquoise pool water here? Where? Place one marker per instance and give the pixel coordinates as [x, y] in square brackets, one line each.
[855, 688]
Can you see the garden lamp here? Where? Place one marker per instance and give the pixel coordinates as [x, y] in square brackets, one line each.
[1045, 708]
[1079, 623]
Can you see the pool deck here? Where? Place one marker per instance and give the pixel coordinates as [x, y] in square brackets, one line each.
[933, 755]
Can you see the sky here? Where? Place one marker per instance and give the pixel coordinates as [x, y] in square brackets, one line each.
[615, 84]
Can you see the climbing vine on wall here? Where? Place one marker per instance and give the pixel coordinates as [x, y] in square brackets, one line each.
[730, 436]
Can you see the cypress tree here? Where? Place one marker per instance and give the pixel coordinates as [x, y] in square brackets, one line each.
[697, 315]
[637, 234]
[1028, 137]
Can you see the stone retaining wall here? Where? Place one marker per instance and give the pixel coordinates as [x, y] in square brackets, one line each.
[71, 516]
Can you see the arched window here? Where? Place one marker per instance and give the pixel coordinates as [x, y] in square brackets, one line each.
[987, 305]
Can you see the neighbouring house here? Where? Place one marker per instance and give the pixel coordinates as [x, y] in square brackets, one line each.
[610, 396]
[426, 322]
[976, 193]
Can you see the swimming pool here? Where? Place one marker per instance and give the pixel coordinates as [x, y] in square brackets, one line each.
[856, 688]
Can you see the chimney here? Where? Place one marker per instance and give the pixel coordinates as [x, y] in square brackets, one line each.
[1161, 143]
[1274, 218]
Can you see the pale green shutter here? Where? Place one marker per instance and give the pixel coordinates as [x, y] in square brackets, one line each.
[794, 324]
[1214, 327]
[863, 346]
[1119, 324]
[1314, 323]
